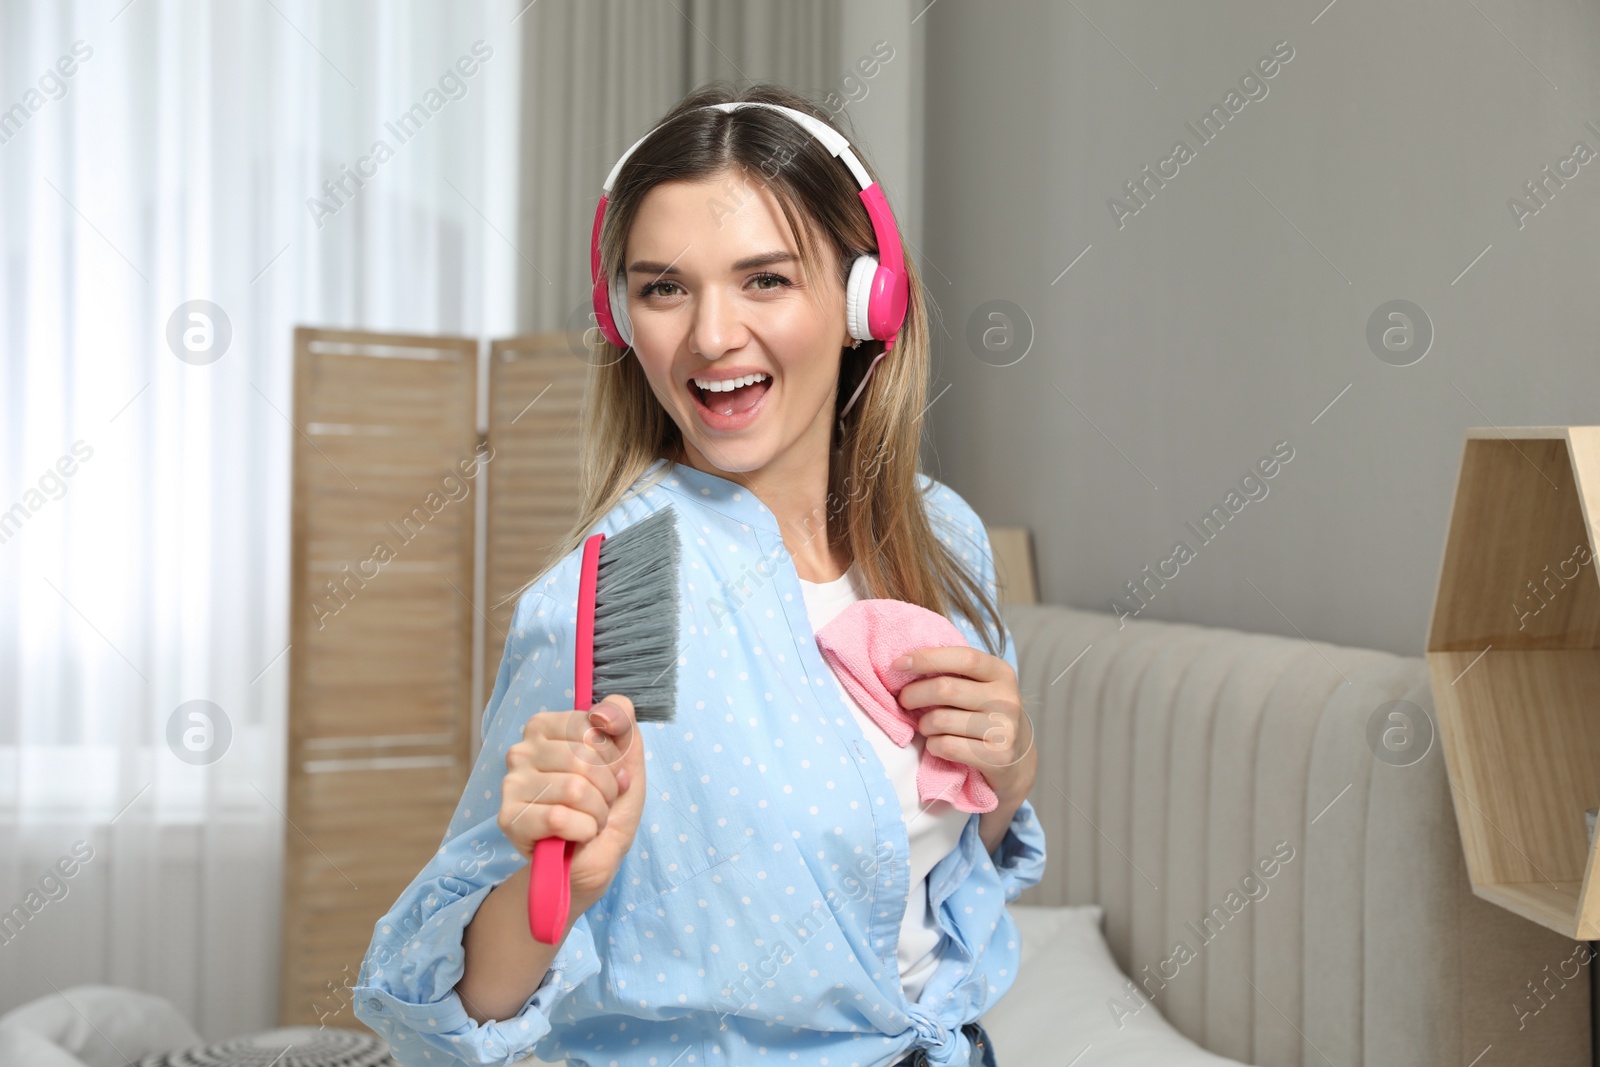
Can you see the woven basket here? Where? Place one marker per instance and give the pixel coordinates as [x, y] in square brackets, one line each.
[295, 1046]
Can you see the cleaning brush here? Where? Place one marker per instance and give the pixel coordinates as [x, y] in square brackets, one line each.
[627, 643]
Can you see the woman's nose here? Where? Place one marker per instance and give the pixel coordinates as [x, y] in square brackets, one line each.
[718, 325]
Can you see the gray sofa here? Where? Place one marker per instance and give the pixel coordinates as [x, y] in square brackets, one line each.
[1174, 758]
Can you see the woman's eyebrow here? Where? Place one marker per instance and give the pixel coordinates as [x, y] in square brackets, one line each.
[645, 266]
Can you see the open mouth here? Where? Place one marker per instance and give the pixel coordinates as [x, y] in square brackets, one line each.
[731, 400]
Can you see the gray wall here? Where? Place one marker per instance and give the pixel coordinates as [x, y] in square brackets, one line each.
[1232, 309]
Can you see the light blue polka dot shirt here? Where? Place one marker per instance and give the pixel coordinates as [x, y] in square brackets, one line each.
[756, 918]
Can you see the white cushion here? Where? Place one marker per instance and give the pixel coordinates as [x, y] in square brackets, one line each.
[102, 1026]
[24, 1048]
[1059, 1004]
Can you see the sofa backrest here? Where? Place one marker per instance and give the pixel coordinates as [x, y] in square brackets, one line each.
[1271, 835]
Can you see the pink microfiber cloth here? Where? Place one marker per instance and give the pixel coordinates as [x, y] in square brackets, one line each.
[859, 644]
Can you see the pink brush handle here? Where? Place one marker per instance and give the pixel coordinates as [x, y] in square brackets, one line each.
[550, 874]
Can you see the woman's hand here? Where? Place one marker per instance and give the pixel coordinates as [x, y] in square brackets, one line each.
[973, 715]
[577, 775]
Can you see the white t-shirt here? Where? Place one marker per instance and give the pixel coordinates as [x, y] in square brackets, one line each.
[934, 829]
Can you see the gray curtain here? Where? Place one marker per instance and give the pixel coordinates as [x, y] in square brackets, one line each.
[596, 76]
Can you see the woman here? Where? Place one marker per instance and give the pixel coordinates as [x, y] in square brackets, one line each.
[758, 880]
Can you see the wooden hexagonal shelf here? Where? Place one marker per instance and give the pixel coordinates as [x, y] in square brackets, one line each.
[1514, 660]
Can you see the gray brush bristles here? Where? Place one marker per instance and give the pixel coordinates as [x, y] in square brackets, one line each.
[636, 617]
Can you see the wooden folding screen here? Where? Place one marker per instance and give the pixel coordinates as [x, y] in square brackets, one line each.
[535, 393]
[381, 640]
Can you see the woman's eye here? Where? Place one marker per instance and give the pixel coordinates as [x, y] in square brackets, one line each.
[780, 279]
[650, 288]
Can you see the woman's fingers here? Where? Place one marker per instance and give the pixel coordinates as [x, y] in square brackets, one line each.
[561, 778]
[582, 732]
[945, 690]
[621, 726]
[972, 662]
[536, 805]
[607, 722]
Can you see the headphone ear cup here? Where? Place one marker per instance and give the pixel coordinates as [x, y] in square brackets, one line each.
[619, 310]
[858, 296]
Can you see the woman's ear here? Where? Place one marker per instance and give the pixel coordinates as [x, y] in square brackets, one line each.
[848, 341]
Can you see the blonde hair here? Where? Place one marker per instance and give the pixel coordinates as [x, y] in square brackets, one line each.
[875, 508]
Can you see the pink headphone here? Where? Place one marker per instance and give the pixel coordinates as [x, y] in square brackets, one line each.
[877, 290]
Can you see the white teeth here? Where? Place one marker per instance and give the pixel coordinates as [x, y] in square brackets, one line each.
[730, 384]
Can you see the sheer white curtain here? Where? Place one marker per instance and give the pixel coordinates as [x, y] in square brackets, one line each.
[153, 154]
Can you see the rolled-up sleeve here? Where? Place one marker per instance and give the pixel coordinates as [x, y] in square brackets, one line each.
[406, 988]
[1019, 857]
[409, 998]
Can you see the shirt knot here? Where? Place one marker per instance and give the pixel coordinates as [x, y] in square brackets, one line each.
[931, 1032]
